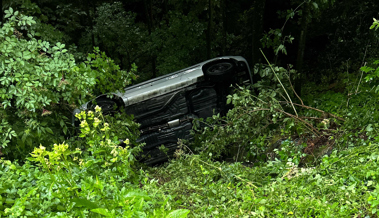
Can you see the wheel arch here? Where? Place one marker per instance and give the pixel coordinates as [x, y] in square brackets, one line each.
[106, 98]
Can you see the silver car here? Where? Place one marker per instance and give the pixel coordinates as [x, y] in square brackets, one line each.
[165, 106]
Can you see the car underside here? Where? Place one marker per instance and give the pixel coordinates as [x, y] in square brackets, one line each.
[166, 106]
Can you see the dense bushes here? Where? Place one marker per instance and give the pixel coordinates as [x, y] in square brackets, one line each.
[69, 182]
[87, 175]
[40, 83]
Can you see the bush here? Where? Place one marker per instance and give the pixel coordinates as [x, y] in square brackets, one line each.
[98, 179]
[41, 83]
[257, 123]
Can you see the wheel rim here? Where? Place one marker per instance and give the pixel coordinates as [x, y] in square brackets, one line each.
[220, 68]
[106, 107]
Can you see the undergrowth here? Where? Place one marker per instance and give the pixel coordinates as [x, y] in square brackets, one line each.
[278, 155]
[344, 184]
[96, 179]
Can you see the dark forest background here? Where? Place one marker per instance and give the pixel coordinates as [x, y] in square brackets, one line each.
[317, 37]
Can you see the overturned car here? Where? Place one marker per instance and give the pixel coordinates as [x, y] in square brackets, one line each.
[165, 106]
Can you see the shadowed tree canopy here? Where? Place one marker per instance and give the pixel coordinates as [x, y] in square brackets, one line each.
[164, 36]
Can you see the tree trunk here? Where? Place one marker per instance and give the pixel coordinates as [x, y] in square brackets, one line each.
[301, 49]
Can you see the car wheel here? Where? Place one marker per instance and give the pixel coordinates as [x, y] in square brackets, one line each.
[107, 105]
[220, 71]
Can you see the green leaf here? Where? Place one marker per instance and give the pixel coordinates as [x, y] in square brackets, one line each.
[102, 211]
[9, 201]
[28, 213]
[180, 213]
[369, 128]
[61, 123]
[26, 55]
[366, 69]
[49, 130]
[135, 194]
[84, 202]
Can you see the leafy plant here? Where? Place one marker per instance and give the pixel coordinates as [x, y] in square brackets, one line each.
[95, 180]
[256, 124]
[40, 83]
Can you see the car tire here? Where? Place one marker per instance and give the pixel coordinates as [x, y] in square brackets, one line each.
[220, 71]
[107, 105]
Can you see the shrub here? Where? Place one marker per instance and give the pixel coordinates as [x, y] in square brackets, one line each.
[98, 179]
[41, 83]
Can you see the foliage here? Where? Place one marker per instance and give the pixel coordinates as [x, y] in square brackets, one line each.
[40, 82]
[342, 35]
[66, 181]
[343, 185]
[251, 127]
[178, 41]
[375, 24]
[275, 39]
[118, 33]
[109, 76]
[33, 72]
[270, 75]
[372, 70]
[251, 118]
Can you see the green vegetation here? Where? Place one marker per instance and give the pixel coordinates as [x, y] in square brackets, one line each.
[73, 182]
[344, 184]
[301, 142]
[38, 79]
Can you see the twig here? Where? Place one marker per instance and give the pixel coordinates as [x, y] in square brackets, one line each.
[252, 111]
[290, 115]
[314, 130]
[312, 118]
[294, 13]
[289, 79]
[279, 81]
[248, 182]
[238, 153]
[356, 91]
[364, 56]
[187, 147]
[219, 168]
[347, 70]
[315, 109]
[283, 96]
[360, 79]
